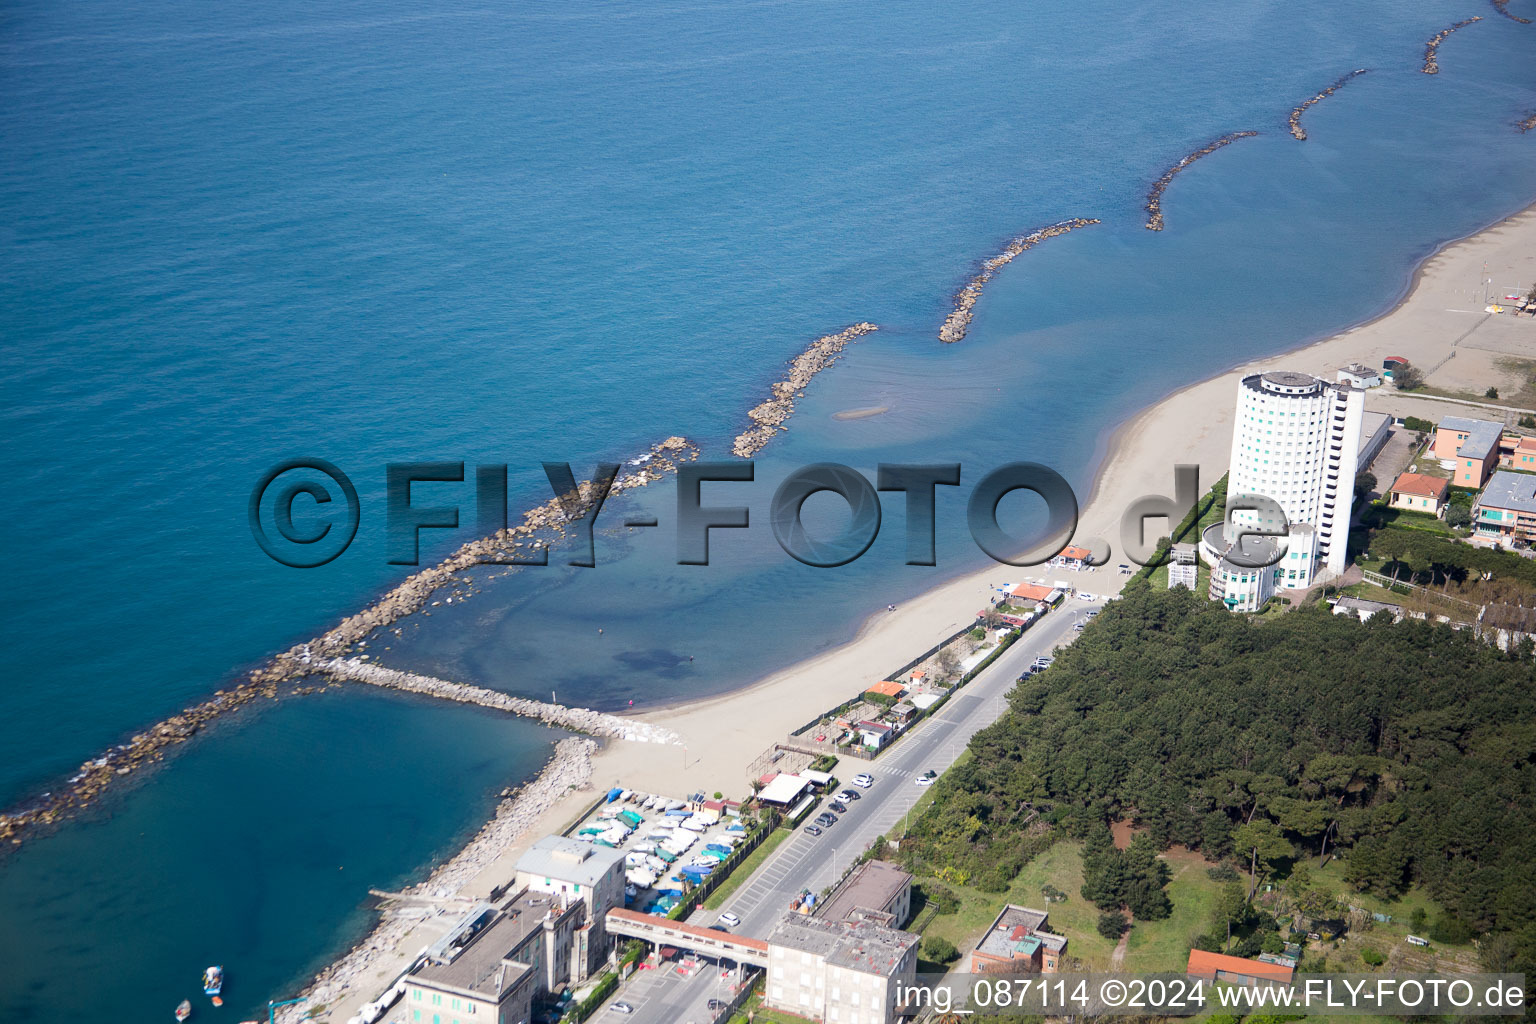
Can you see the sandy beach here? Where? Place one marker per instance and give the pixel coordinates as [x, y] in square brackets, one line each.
[1440, 326]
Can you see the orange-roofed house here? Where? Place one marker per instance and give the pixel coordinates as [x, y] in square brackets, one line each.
[1034, 593]
[1074, 557]
[1419, 493]
[886, 688]
[1236, 970]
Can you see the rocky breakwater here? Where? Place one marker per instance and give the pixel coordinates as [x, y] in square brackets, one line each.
[1155, 193]
[1502, 6]
[1527, 123]
[593, 723]
[768, 418]
[413, 593]
[1432, 48]
[959, 319]
[145, 748]
[284, 673]
[365, 971]
[1295, 118]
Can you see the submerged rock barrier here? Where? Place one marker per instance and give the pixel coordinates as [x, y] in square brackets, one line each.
[1502, 6]
[768, 418]
[145, 748]
[1528, 122]
[1155, 193]
[1295, 118]
[593, 723]
[569, 768]
[959, 319]
[1432, 48]
[288, 668]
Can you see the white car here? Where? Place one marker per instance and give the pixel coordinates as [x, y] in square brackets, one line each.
[729, 919]
[863, 780]
[926, 779]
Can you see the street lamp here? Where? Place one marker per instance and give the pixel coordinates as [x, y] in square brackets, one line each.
[272, 1007]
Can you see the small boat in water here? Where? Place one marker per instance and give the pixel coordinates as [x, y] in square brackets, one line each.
[213, 983]
[184, 1010]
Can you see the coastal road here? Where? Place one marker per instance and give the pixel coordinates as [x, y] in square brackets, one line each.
[814, 862]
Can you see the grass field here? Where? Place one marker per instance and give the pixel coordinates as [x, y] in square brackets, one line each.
[745, 869]
[1152, 946]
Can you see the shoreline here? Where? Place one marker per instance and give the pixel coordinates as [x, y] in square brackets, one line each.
[1191, 424]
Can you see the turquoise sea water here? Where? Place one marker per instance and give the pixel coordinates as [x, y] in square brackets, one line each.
[380, 232]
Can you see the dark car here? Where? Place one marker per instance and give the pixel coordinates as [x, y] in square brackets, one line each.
[848, 795]
[826, 820]
[716, 1005]
[812, 830]
[838, 806]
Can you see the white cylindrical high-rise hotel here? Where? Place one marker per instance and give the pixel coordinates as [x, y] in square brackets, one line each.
[1295, 440]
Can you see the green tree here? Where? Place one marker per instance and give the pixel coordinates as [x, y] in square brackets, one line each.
[1112, 924]
[1231, 908]
[1407, 377]
[1491, 393]
[1262, 840]
[940, 950]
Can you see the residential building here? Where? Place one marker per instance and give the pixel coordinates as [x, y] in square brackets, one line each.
[1358, 375]
[840, 972]
[1362, 609]
[1296, 440]
[875, 891]
[1182, 570]
[1517, 451]
[1417, 492]
[493, 965]
[1506, 510]
[1468, 448]
[589, 874]
[1236, 970]
[1019, 943]
[874, 735]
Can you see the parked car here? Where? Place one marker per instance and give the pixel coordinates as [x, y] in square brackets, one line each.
[716, 1005]
[838, 806]
[729, 919]
[863, 780]
[926, 779]
[848, 795]
[826, 820]
[622, 1008]
[812, 830]
[1091, 612]
[1079, 626]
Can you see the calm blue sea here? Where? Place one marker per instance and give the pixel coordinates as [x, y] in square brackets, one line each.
[386, 231]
